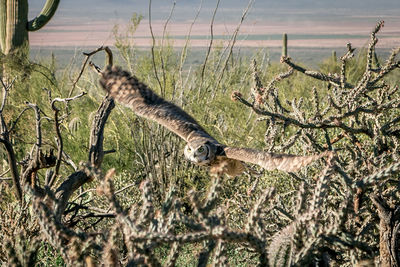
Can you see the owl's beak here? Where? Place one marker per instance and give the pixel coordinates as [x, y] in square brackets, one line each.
[193, 159]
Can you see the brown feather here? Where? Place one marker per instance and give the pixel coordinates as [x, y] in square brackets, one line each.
[271, 161]
[223, 165]
[128, 90]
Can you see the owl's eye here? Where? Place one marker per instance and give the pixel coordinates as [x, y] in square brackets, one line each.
[201, 149]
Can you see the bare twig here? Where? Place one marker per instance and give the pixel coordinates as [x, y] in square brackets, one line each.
[5, 140]
[125, 188]
[14, 123]
[6, 88]
[12, 161]
[209, 45]
[184, 49]
[96, 154]
[88, 55]
[232, 42]
[65, 100]
[162, 47]
[38, 125]
[153, 44]
[5, 172]
[60, 144]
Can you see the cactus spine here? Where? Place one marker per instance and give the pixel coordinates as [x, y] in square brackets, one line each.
[14, 24]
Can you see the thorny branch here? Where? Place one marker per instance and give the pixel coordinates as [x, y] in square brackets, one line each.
[366, 111]
[335, 81]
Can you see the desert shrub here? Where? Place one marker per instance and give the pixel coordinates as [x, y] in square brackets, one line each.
[135, 201]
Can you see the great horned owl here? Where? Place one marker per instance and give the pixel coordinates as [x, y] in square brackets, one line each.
[201, 148]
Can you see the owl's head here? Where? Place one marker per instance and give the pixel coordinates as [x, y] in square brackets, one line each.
[200, 153]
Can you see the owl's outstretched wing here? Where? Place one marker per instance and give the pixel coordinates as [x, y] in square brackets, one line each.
[272, 161]
[128, 90]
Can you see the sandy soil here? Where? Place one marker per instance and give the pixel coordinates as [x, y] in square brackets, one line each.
[100, 33]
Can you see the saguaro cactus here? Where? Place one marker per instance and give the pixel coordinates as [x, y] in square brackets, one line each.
[284, 45]
[14, 24]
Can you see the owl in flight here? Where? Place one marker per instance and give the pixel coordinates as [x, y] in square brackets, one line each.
[201, 148]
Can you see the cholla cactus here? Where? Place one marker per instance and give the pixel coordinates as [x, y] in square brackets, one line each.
[358, 118]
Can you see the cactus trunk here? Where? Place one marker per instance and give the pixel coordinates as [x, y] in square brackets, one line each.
[16, 32]
[284, 45]
[3, 22]
[14, 25]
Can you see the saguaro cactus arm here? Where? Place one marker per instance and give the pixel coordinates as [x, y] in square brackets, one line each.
[44, 16]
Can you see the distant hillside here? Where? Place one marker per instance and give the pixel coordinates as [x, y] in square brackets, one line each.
[229, 10]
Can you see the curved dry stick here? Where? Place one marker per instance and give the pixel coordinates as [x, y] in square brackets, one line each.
[184, 49]
[37, 160]
[5, 140]
[96, 154]
[12, 161]
[153, 44]
[14, 123]
[162, 45]
[389, 220]
[38, 125]
[233, 41]
[88, 55]
[6, 88]
[60, 144]
[210, 45]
